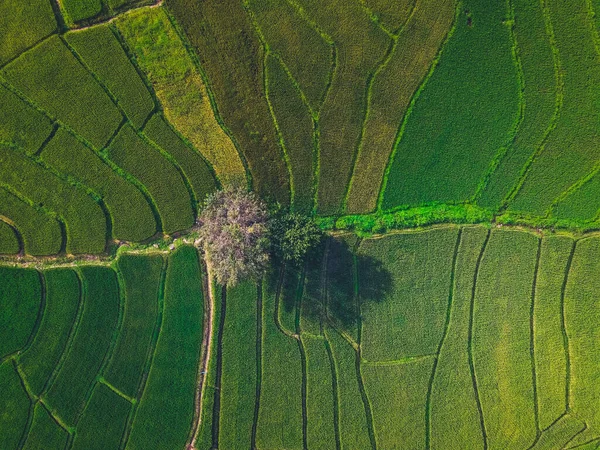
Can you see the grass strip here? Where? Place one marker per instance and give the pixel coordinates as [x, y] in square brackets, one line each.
[67, 396]
[41, 233]
[101, 51]
[21, 300]
[131, 215]
[502, 346]
[166, 408]
[62, 302]
[103, 421]
[45, 433]
[452, 388]
[51, 77]
[403, 287]
[238, 382]
[163, 57]
[141, 275]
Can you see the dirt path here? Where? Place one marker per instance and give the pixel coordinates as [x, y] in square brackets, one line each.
[205, 358]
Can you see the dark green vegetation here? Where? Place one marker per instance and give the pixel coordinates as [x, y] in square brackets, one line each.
[78, 343]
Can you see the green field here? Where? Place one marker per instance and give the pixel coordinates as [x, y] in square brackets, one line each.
[449, 150]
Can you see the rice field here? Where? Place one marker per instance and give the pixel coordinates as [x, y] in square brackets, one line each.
[448, 149]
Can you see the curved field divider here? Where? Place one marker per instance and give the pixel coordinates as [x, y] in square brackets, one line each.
[235, 73]
[24, 24]
[163, 57]
[391, 15]
[462, 117]
[160, 177]
[195, 169]
[9, 240]
[51, 77]
[40, 360]
[570, 151]
[360, 47]
[103, 422]
[21, 303]
[101, 51]
[131, 215]
[166, 408]
[41, 233]
[22, 125]
[390, 93]
[452, 389]
[84, 219]
[45, 432]
[141, 278]
[306, 53]
[541, 99]
[68, 394]
[404, 316]
[502, 339]
[15, 406]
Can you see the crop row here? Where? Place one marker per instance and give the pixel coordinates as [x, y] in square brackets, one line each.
[87, 353]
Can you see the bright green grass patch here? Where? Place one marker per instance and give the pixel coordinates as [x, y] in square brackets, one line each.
[391, 14]
[404, 280]
[68, 395]
[560, 433]
[305, 53]
[166, 408]
[9, 243]
[502, 339]
[390, 94]
[62, 302]
[102, 53]
[141, 276]
[103, 421]
[160, 177]
[453, 404]
[41, 233]
[21, 124]
[397, 394]
[462, 117]
[205, 434]
[360, 49]
[195, 169]
[353, 422]
[78, 10]
[582, 315]
[320, 400]
[280, 414]
[84, 219]
[163, 57]
[539, 97]
[20, 301]
[52, 78]
[572, 148]
[238, 382]
[296, 127]
[14, 404]
[549, 345]
[231, 54]
[23, 23]
[131, 215]
[45, 433]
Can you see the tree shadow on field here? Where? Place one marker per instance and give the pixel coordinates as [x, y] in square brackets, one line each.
[327, 289]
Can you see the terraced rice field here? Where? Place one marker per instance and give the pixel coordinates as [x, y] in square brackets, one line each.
[449, 150]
